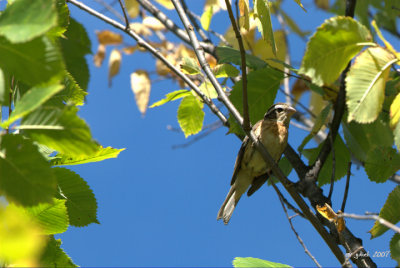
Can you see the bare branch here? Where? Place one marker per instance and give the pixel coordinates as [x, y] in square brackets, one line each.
[346, 189]
[122, 4]
[170, 25]
[141, 42]
[293, 229]
[246, 117]
[110, 9]
[371, 217]
[194, 22]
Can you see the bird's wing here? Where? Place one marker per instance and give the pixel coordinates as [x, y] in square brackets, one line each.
[239, 159]
[258, 182]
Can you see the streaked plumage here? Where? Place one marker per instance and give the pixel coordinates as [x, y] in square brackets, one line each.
[250, 168]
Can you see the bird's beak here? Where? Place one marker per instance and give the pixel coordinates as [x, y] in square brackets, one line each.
[291, 110]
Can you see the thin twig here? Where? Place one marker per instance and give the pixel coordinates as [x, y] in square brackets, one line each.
[170, 25]
[286, 85]
[287, 203]
[371, 217]
[122, 4]
[346, 189]
[194, 22]
[333, 170]
[142, 43]
[110, 9]
[206, 131]
[236, 29]
[293, 229]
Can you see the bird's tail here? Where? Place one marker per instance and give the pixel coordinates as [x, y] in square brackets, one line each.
[227, 208]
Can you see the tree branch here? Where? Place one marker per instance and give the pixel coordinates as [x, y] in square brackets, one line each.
[293, 229]
[246, 117]
[170, 25]
[142, 43]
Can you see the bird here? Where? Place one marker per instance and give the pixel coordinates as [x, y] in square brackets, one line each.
[250, 168]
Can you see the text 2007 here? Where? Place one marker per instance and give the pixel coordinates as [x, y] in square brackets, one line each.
[380, 254]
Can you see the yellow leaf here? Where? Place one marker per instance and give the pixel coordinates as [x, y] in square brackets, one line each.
[109, 38]
[340, 223]
[114, 64]
[20, 239]
[395, 111]
[387, 44]
[129, 50]
[327, 212]
[216, 4]
[153, 23]
[206, 17]
[99, 57]
[141, 85]
[244, 13]
[140, 29]
[263, 49]
[166, 3]
[132, 7]
[317, 104]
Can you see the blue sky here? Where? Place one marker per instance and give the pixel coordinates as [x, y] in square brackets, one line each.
[157, 206]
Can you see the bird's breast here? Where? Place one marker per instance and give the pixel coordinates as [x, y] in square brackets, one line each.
[273, 136]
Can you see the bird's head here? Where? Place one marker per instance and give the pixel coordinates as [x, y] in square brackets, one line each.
[280, 112]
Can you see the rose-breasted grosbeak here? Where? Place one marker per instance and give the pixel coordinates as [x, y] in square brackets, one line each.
[250, 167]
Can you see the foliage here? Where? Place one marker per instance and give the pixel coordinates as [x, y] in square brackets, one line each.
[42, 129]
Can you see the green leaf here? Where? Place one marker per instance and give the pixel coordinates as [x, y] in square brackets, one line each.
[342, 158]
[381, 163]
[190, 66]
[231, 55]
[365, 84]
[190, 115]
[262, 86]
[225, 70]
[395, 247]
[390, 212]
[72, 93]
[175, 95]
[4, 88]
[239, 262]
[75, 47]
[331, 48]
[61, 130]
[80, 200]
[24, 20]
[206, 17]
[362, 138]
[300, 4]
[100, 155]
[54, 256]
[262, 14]
[32, 100]
[208, 90]
[51, 217]
[40, 58]
[62, 19]
[25, 176]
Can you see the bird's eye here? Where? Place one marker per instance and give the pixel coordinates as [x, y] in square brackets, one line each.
[279, 110]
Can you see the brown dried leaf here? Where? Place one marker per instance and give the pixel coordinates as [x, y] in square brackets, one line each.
[109, 38]
[129, 50]
[153, 23]
[141, 85]
[298, 89]
[132, 7]
[114, 64]
[340, 223]
[140, 29]
[100, 54]
[327, 212]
